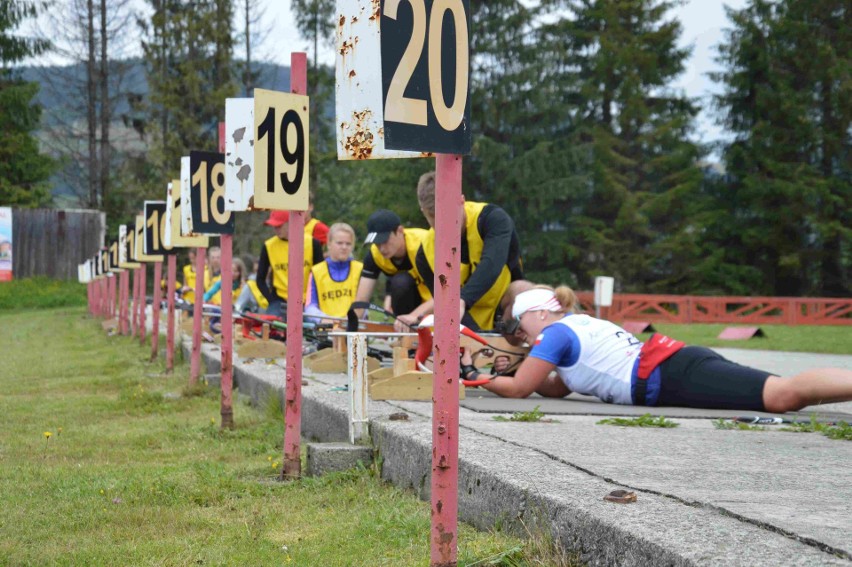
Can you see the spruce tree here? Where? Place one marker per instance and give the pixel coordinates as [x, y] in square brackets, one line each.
[24, 171]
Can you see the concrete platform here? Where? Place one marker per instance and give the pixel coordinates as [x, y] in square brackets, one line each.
[705, 496]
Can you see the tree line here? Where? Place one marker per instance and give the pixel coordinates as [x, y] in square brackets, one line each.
[578, 134]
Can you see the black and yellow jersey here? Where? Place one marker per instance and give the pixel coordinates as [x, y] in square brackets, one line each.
[375, 263]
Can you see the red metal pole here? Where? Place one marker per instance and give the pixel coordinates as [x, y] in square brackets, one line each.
[135, 307]
[195, 362]
[143, 302]
[94, 304]
[295, 308]
[111, 286]
[226, 243]
[125, 301]
[226, 408]
[445, 385]
[155, 310]
[170, 320]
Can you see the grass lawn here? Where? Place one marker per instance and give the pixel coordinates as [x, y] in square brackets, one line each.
[134, 473]
[802, 338]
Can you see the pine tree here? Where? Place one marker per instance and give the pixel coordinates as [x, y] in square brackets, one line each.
[24, 171]
[188, 47]
[787, 99]
[642, 174]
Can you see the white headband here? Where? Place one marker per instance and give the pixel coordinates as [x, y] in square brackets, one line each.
[535, 300]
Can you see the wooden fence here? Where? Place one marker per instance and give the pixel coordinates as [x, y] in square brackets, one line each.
[52, 242]
[745, 310]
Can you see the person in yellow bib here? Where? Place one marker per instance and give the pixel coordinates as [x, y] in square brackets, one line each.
[490, 256]
[315, 228]
[273, 263]
[334, 281]
[238, 274]
[391, 251]
[188, 288]
[250, 298]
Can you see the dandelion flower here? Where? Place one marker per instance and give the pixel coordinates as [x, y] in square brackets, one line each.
[274, 465]
[212, 421]
[47, 434]
[269, 459]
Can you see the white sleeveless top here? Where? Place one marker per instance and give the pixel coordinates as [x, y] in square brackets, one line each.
[604, 365]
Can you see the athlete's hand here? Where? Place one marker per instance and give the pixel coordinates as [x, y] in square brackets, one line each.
[501, 363]
[404, 323]
[466, 357]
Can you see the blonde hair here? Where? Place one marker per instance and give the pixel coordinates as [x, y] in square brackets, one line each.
[426, 192]
[564, 295]
[242, 266]
[341, 226]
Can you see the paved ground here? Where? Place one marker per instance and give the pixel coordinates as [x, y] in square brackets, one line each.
[705, 496]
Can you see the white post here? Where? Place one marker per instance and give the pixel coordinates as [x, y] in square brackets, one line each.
[356, 346]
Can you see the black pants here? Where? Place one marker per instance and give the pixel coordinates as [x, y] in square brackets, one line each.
[404, 295]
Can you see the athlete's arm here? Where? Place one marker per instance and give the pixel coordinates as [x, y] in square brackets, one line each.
[262, 274]
[530, 377]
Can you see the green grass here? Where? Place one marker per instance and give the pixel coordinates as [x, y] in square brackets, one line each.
[41, 293]
[134, 473]
[727, 424]
[533, 415]
[839, 431]
[646, 420]
[803, 338]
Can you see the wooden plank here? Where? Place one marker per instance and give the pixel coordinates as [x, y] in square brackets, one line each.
[382, 384]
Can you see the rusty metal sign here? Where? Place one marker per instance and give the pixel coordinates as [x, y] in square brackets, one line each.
[172, 235]
[239, 154]
[358, 76]
[123, 260]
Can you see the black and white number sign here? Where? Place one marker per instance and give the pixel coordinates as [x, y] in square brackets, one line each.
[207, 194]
[155, 227]
[425, 75]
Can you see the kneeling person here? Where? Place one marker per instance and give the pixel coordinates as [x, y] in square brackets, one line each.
[334, 281]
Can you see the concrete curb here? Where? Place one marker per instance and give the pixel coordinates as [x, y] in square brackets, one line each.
[508, 485]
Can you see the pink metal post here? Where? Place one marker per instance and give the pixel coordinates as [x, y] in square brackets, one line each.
[295, 308]
[93, 305]
[143, 301]
[445, 385]
[155, 310]
[111, 284]
[135, 307]
[170, 319]
[226, 409]
[195, 361]
[226, 242]
[125, 300]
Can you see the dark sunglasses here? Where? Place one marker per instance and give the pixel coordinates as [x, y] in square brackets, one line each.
[511, 326]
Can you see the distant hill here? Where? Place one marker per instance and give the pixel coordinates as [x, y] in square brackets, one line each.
[63, 110]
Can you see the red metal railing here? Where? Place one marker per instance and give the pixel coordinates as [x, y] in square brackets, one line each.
[698, 309]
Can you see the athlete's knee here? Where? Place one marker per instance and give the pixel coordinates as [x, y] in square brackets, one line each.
[783, 394]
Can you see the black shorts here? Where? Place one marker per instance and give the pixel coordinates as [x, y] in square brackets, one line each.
[698, 377]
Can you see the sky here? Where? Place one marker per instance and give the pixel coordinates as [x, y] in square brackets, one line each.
[702, 21]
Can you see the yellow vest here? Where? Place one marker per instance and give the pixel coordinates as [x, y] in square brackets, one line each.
[278, 250]
[189, 281]
[309, 228]
[413, 238]
[482, 311]
[336, 297]
[261, 300]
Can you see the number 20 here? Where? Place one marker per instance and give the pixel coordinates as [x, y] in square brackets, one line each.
[398, 107]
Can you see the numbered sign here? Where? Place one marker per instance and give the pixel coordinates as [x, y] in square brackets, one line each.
[155, 227]
[207, 194]
[114, 265]
[125, 248]
[281, 146]
[425, 75]
[104, 257]
[139, 237]
[172, 235]
[239, 154]
[359, 100]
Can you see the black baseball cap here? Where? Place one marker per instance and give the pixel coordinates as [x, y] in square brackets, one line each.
[380, 225]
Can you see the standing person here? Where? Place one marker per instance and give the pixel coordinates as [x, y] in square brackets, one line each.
[595, 357]
[315, 228]
[391, 251]
[334, 281]
[274, 260]
[490, 255]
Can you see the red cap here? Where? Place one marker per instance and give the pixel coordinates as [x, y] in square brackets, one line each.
[277, 218]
